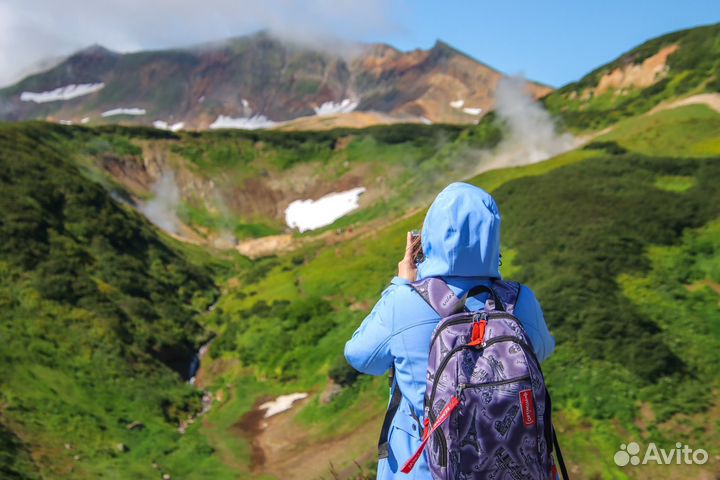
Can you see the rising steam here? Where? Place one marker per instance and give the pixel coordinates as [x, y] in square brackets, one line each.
[531, 135]
[161, 209]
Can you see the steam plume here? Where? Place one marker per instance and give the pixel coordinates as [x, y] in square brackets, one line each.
[161, 209]
[531, 135]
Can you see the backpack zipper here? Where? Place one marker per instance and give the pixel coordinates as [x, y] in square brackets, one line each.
[464, 386]
[470, 319]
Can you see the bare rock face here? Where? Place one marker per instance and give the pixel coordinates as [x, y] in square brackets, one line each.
[258, 81]
[641, 75]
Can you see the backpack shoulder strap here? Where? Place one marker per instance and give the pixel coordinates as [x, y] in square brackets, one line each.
[438, 295]
[508, 292]
[395, 399]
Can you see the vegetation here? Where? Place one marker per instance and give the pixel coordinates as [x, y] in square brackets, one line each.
[577, 228]
[593, 231]
[690, 131]
[99, 322]
[234, 179]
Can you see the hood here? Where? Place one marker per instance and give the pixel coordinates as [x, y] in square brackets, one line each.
[461, 234]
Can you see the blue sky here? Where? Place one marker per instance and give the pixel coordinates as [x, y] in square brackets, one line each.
[555, 41]
[552, 41]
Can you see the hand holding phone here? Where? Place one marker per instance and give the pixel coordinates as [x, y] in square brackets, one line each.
[407, 267]
[417, 252]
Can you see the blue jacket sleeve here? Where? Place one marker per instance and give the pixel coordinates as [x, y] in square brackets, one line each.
[531, 315]
[368, 351]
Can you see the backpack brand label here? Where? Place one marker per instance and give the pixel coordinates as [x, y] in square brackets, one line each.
[528, 407]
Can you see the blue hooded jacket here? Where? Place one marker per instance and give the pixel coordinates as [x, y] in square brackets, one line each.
[461, 242]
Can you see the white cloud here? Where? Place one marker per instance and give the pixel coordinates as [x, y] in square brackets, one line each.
[32, 31]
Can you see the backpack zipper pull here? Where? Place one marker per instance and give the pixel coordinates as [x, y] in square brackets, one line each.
[478, 332]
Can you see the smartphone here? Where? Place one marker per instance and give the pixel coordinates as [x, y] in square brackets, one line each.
[417, 252]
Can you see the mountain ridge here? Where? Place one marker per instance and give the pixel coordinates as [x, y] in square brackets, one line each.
[259, 77]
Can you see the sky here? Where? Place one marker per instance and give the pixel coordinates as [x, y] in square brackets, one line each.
[554, 42]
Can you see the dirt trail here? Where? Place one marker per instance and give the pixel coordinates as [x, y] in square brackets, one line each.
[285, 449]
[712, 100]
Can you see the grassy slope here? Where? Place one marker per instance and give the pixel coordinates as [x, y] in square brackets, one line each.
[691, 131]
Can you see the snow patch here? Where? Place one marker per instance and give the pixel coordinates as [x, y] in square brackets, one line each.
[426, 121]
[85, 120]
[281, 403]
[311, 214]
[165, 126]
[459, 104]
[123, 111]
[62, 93]
[472, 111]
[246, 123]
[332, 108]
[66, 122]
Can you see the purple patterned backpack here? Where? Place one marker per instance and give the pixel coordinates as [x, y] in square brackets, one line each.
[487, 410]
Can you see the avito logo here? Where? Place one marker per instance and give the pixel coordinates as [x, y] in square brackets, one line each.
[681, 454]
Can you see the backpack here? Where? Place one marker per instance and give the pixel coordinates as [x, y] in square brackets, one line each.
[487, 409]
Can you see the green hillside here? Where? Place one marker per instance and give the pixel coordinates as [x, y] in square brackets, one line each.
[691, 69]
[99, 323]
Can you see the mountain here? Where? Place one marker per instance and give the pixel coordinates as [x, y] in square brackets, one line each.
[257, 81]
[681, 64]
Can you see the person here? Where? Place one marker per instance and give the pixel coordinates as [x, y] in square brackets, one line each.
[461, 244]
